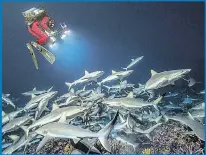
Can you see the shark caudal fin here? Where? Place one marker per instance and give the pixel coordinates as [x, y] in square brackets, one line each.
[69, 84]
[104, 133]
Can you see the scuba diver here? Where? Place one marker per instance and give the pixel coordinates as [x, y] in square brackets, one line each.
[41, 26]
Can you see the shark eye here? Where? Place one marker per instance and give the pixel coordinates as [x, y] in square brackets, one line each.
[44, 132]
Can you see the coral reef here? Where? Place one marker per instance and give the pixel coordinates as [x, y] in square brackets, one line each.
[169, 138]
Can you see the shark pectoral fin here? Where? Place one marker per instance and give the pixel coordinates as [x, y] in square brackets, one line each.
[105, 143]
[120, 77]
[104, 133]
[29, 46]
[43, 142]
[148, 136]
[158, 100]
[14, 138]
[172, 83]
[63, 118]
[190, 116]
[32, 95]
[156, 107]
[76, 140]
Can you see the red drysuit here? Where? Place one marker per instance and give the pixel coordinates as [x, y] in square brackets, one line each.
[37, 30]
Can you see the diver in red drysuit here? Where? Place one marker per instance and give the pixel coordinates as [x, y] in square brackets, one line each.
[38, 28]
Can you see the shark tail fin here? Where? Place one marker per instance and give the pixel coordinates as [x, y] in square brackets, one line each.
[99, 83]
[69, 84]
[104, 133]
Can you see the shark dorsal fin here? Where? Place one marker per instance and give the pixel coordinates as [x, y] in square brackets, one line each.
[34, 89]
[72, 90]
[130, 95]
[3, 113]
[132, 59]
[158, 100]
[113, 72]
[7, 95]
[55, 106]
[32, 95]
[140, 84]
[153, 72]
[86, 72]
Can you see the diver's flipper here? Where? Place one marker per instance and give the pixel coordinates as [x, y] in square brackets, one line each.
[32, 55]
[48, 55]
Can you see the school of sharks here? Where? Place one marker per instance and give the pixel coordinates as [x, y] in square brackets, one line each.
[97, 109]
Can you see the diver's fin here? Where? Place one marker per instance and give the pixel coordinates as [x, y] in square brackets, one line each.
[45, 140]
[29, 46]
[48, 55]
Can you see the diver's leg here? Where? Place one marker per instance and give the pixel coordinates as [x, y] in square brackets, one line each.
[44, 24]
[29, 46]
[42, 40]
